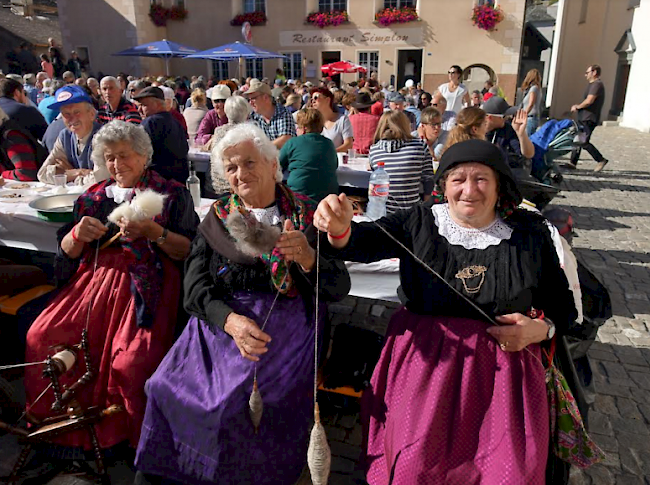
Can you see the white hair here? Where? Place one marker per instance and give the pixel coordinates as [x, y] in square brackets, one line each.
[110, 79]
[237, 109]
[118, 131]
[242, 133]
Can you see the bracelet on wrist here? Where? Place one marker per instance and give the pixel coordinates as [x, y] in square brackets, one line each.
[340, 236]
[74, 236]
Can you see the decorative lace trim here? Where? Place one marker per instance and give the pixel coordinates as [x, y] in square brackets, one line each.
[119, 194]
[268, 215]
[458, 235]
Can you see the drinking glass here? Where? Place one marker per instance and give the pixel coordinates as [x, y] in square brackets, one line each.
[60, 180]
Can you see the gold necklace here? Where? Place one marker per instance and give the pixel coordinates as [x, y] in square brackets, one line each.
[471, 272]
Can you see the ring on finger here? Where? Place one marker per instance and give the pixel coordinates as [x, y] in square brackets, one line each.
[504, 345]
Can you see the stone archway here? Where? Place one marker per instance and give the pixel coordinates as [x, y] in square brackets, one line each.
[475, 75]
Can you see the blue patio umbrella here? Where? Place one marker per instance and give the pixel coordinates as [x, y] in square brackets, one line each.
[163, 49]
[236, 51]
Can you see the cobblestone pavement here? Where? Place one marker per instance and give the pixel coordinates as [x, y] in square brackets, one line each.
[612, 216]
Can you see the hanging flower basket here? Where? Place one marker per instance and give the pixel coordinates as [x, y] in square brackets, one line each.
[327, 19]
[254, 18]
[487, 16]
[160, 15]
[395, 15]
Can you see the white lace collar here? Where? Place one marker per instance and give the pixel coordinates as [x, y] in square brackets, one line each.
[268, 215]
[119, 194]
[469, 238]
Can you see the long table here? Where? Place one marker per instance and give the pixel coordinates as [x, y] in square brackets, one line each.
[355, 173]
[21, 227]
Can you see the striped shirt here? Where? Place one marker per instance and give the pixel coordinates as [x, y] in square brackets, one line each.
[126, 111]
[20, 157]
[410, 168]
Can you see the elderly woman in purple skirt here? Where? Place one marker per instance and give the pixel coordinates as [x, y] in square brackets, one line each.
[454, 400]
[250, 286]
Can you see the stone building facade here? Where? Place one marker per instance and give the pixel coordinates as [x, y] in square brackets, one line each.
[423, 50]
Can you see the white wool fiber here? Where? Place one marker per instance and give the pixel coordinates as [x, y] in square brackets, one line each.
[122, 211]
[147, 205]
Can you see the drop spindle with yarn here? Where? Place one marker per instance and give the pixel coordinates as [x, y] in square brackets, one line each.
[319, 455]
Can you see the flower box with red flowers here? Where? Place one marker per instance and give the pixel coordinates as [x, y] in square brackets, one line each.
[254, 18]
[395, 15]
[487, 16]
[327, 19]
[160, 15]
[177, 13]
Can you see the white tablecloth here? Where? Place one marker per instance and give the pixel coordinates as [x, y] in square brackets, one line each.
[20, 226]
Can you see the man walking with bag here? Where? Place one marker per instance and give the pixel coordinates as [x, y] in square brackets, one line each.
[589, 115]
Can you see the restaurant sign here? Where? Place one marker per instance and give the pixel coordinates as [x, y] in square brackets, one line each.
[357, 37]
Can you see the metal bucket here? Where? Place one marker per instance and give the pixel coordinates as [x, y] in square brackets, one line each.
[55, 208]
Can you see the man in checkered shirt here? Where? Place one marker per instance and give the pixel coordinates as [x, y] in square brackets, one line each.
[273, 118]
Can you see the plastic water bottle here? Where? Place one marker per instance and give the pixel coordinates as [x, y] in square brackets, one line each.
[378, 192]
[193, 184]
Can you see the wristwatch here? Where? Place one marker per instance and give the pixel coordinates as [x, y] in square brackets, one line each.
[551, 328]
[161, 240]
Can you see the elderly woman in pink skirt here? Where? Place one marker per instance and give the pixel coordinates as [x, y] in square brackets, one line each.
[454, 399]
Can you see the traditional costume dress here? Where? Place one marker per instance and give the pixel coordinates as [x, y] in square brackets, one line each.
[446, 405]
[197, 428]
[133, 298]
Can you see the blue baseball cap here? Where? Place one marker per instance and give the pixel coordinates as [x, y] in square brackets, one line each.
[70, 95]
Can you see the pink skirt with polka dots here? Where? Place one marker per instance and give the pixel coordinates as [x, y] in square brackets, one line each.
[447, 406]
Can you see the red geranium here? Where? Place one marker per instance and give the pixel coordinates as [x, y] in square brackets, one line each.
[487, 16]
[254, 18]
[394, 15]
[325, 19]
[160, 15]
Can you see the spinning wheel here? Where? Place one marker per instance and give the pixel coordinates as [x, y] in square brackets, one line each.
[75, 417]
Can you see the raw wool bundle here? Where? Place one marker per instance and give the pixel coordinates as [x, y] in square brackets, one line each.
[255, 406]
[253, 237]
[145, 205]
[319, 455]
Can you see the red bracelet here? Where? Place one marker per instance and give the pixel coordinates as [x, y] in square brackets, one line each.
[340, 236]
[74, 236]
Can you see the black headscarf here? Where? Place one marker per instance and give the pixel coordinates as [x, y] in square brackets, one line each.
[484, 152]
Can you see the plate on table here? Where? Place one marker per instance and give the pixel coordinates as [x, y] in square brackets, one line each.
[17, 186]
[9, 196]
[55, 208]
